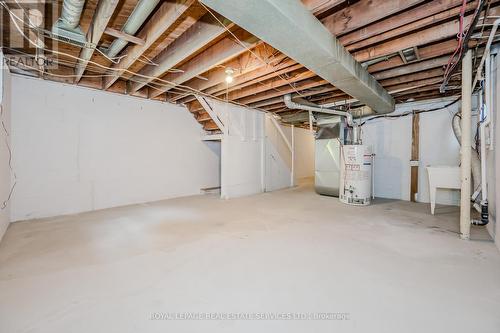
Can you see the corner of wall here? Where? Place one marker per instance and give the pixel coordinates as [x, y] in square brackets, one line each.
[5, 151]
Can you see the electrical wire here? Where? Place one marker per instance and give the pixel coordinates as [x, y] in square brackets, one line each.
[121, 71]
[393, 116]
[451, 64]
[31, 25]
[12, 172]
[249, 50]
[463, 38]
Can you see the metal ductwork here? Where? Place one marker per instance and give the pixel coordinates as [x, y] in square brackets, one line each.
[292, 105]
[68, 25]
[141, 12]
[292, 29]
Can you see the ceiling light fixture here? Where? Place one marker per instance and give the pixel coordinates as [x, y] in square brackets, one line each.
[229, 75]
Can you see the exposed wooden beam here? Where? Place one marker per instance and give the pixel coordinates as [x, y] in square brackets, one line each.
[246, 61]
[390, 23]
[122, 35]
[414, 71]
[424, 70]
[99, 23]
[200, 34]
[393, 83]
[216, 54]
[363, 13]
[161, 21]
[287, 26]
[410, 27]
[247, 67]
[272, 84]
[306, 84]
[429, 35]
[412, 67]
[436, 7]
[318, 7]
[262, 76]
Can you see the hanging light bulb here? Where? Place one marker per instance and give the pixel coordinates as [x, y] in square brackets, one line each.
[229, 75]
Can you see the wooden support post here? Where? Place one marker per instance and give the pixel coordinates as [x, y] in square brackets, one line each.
[414, 157]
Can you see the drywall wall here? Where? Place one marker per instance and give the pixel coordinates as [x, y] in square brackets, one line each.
[304, 151]
[77, 149]
[255, 157]
[242, 149]
[391, 140]
[6, 181]
[278, 156]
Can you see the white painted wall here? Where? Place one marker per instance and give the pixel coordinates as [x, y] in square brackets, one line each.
[278, 157]
[254, 154]
[242, 149]
[77, 149]
[5, 172]
[304, 151]
[391, 140]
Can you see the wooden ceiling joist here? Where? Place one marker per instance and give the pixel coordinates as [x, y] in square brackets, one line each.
[216, 54]
[393, 22]
[362, 13]
[201, 34]
[436, 7]
[99, 23]
[182, 35]
[162, 20]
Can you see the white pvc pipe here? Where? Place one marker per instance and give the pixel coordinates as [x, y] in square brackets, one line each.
[465, 166]
[482, 131]
[292, 105]
[486, 53]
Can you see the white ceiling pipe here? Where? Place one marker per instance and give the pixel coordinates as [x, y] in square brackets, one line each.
[292, 105]
[291, 28]
[486, 53]
[141, 12]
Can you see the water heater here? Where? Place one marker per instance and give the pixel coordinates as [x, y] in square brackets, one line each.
[356, 174]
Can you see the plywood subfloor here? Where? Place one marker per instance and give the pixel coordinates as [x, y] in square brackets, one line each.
[392, 267]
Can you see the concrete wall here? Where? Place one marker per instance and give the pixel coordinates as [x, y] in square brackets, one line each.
[77, 149]
[5, 172]
[391, 139]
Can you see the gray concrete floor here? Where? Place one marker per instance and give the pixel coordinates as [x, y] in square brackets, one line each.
[389, 267]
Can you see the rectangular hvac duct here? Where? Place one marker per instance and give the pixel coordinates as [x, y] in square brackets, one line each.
[288, 26]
